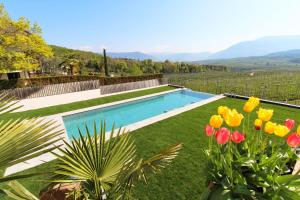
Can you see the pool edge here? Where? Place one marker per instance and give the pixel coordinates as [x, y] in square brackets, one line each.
[132, 127]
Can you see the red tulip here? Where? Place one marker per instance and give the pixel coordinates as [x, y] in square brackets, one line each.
[222, 136]
[209, 130]
[237, 137]
[293, 140]
[289, 123]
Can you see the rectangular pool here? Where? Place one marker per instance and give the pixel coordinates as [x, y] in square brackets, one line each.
[131, 112]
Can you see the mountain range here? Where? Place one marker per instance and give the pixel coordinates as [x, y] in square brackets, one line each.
[254, 48]
[278, 60]
[180, 57]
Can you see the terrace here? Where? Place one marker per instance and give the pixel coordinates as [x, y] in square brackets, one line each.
[184, 127]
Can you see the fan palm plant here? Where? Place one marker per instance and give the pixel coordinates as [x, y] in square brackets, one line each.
[107, 167]
[22, 139]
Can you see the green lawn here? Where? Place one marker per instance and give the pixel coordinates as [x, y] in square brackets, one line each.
[185, 178]
[51, 110]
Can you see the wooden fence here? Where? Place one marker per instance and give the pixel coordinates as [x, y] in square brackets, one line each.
[55, 89]
[62, 88]
[107, 89]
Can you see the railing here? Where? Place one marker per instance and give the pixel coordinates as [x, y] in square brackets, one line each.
[263, 100]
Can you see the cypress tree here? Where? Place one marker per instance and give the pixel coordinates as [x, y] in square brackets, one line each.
[105, 63]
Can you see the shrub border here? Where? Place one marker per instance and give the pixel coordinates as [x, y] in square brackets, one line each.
[42, 81]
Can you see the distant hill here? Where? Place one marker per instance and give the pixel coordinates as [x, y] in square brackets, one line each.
[259, 47]
[62, 52]
[181, 57]
[295, 53]
[130, 55]
[176, 57]
[278, 60]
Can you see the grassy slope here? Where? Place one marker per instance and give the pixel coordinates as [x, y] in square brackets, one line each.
[185, 178]
[51, 110]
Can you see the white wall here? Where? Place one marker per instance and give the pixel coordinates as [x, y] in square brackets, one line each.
[41, 102]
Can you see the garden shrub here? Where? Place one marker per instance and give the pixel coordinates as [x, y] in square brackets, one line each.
[41, 81]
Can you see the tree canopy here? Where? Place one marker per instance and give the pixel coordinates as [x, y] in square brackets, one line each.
[91, 62]
[21, 44]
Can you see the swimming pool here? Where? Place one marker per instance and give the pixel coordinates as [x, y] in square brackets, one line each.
[132, 112]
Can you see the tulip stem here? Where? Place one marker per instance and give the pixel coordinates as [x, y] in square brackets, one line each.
[210, 144]
[231, 158]
[248, 120]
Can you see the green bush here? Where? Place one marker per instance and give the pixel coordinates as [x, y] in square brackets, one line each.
[41, 81]
[126, 79]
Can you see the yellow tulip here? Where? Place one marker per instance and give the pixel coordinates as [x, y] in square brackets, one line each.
[254, 100]
[270, 127]
[216, 121]
[248, 107]
[264, 114]
[298, 130]
[233, 118]
[281, 130]
[258, 124]
[251, 104]
[222, 110]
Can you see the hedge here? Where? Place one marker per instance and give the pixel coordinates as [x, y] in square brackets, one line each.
[41, 81]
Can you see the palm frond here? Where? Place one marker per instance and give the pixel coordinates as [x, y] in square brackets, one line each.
[7, 104]
[94, 160]
[138, 170]
[107, 166]
[161, 160]
[19, 192]
[21, 140]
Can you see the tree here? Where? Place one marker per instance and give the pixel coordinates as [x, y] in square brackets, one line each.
[93, 65]
[120, 66]
[107, 167]
[147, 66]
[105, 63]
[169, 67]
[72, 64]
[183, 68]
[157, 67]
[21, 44]
[134, 69]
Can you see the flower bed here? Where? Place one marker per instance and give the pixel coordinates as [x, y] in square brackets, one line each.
[251, 160]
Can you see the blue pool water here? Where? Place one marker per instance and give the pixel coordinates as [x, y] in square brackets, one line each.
[131, 112]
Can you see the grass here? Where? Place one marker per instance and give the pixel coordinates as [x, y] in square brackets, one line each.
[275, 85]
[185, 178]
[51, 110]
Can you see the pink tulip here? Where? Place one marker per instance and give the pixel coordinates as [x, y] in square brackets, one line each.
[209, 130]
[222, 136]
[289, 123]
[237, 137]
[293, 140]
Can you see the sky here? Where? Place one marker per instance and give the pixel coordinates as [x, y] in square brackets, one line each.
[157, 25]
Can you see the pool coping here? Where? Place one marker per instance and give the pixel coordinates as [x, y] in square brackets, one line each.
[131, 127]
